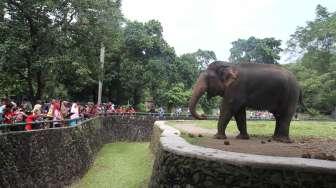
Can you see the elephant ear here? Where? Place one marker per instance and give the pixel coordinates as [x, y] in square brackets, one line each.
[227, 75]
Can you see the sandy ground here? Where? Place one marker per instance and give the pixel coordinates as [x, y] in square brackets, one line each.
[306, 147]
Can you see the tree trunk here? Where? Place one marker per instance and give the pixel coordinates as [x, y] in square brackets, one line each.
[30, 89]
[40, 86]
[2, 11]
[136, 98]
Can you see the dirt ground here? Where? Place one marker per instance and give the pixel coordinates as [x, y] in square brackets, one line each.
[317, 148]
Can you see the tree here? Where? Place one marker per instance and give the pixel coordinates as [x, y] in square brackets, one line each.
[50, 49]
[28, 44]
[51, 46]
[315, 45]
[256, 50]
[208, 104]
[187, 67]
[145, 60]
[178, 95]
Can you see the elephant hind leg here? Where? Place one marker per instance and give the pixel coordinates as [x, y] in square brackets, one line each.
[240, 117]
[281, 132]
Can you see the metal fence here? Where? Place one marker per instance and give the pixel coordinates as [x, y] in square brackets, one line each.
[138, 115]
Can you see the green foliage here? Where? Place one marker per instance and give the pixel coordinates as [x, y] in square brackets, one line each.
[208, 104]
[51, 49]
[316, 70]
[145, 60]
[141, 107]
[53, 45]
[176, 96]
[256, 50]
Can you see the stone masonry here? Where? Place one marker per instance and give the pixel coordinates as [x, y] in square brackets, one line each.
[179, 164]
[59, 156]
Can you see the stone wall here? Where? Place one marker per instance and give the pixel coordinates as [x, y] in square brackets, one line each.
[59, 156]
[179, 164]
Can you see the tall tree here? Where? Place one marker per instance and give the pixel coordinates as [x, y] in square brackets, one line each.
[256, 50]
[48, 47]
[186, 69]
[316, 41]
[315, 45]
[145, 59]
[28, 45]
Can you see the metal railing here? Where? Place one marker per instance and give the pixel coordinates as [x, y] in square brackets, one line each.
[141, 115]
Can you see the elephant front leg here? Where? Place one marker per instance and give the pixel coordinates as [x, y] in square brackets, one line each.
[224, 118]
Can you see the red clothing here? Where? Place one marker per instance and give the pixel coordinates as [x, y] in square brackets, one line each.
[8, 117]
[29, 120]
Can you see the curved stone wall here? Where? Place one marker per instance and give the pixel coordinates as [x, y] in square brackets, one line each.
[180, 164]
[59, 156]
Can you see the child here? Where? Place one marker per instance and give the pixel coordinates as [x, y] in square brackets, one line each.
[19, 117]
[30, 119]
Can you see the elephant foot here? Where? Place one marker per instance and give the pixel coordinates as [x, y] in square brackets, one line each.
[284, 139]
[243, 136]
[220, 136]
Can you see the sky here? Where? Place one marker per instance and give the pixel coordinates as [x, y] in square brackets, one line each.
[189, 25]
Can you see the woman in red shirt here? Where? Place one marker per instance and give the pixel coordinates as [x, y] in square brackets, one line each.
[30, 119]
[8, 114]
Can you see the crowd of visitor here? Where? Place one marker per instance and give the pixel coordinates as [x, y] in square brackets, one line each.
[259, 115]
[56, 113]
[60, 113]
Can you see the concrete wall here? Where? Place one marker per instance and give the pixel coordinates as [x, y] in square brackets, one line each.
[179, 164]
[59, 156]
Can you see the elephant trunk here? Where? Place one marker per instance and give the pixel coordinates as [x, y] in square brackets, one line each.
[199, 89]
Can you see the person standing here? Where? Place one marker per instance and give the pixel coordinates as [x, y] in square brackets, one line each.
[65, 109]
[2, 109]
[38, 107]
[161, 112]
[74, 114]
[8, 114]
[19, 117]
[30, 119]
[26, 105]
[57, 115]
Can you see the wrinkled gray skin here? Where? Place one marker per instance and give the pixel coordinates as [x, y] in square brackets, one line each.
[249, 85]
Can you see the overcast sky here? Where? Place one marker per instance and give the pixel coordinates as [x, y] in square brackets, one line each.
[189, 25]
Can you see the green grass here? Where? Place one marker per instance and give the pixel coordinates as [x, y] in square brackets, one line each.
[323, 129]
[119, 165]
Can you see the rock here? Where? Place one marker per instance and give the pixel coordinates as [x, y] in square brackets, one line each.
[191, 135]
[322, 156]
[226, 142]
[331, 158]
[263, 142]
[196, 178]
[306, 155]
[208, 184]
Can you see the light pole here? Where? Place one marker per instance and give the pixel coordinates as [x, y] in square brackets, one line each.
[101, 77]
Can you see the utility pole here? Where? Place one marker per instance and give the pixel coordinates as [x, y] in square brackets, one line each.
[101, 76]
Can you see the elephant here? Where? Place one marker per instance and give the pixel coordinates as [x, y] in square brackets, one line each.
[252, 86]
